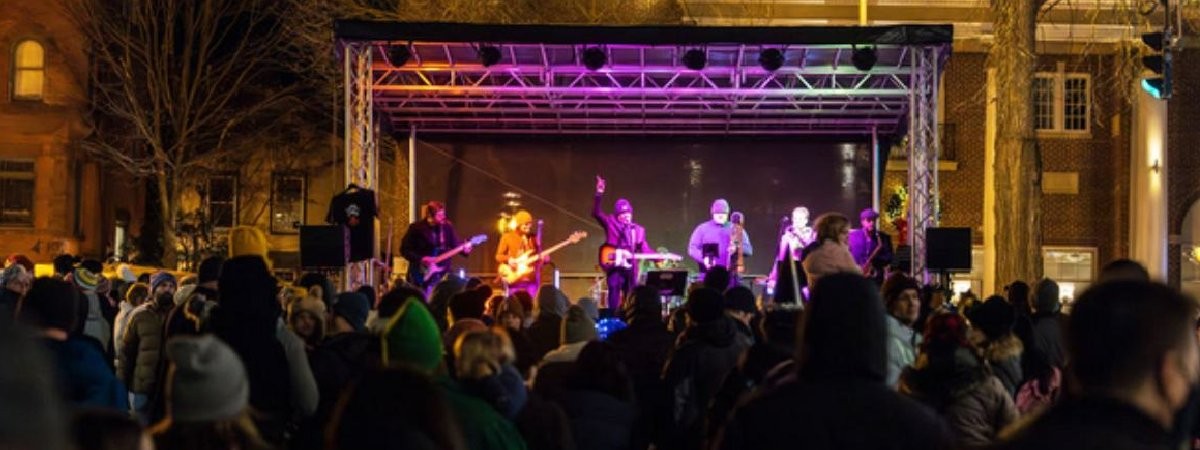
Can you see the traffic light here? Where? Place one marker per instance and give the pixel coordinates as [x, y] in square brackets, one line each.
[1158, 61]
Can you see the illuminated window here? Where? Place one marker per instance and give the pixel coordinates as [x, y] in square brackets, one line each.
[1062, 102]
[287, 202]
[222, 201]
[16, 193]
[29, 71]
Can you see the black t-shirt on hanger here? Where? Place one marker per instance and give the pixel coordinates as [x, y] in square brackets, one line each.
[355, 210]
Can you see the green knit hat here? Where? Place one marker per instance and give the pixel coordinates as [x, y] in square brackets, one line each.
[411, 337]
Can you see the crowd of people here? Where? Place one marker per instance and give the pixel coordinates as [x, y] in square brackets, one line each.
[232, 358]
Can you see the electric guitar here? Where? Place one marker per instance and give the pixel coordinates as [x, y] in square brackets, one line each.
[524, 264]
[422, 273]
[612, 257]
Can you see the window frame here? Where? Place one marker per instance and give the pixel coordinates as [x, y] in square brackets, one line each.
[279, 175]
[1059, 109]
[15, 69]
[208, 202]
[30, 175]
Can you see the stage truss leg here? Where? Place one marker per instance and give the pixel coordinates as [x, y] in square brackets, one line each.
[924, 146]
[361, 154]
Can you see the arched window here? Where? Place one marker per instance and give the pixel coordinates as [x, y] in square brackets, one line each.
[29, 71]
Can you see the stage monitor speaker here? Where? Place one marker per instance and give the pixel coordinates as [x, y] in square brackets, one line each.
[322, 246]
[948, 249]
[668, 282]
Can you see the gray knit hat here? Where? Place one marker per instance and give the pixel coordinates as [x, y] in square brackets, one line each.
[577, 327]
[207, 380]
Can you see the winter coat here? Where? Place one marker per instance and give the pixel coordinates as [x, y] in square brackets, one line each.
[8, 303]
[304, 394]
[643, 346]
[544, 425]
[602, 421]
[707, 352]
[120, 324]
[556, 367]
[753, 373]
[1004, 355]
[84, 377]
[1047, 337]
[972, 400]
[338, 362]
[255, 341]
[483, 428]
[142, 349]
[828, 258]
[1091, 422]
[903, 343]
[543, 334]
[505, 391]
[95, 324]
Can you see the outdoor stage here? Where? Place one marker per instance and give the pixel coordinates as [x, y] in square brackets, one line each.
[673, 116]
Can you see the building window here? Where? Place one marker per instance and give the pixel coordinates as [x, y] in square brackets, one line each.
[1062, 102]
[16, 193]
[29, 71]
[222, 201]
[1074, 268]
[287, 202]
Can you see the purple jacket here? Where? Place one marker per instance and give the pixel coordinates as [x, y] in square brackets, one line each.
[630, 237]
[711, 233]
[862, 244]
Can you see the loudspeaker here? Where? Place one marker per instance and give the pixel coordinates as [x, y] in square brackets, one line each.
[948, 249]
[322, 246]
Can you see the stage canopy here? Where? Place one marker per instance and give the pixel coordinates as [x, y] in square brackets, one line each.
[454, 79]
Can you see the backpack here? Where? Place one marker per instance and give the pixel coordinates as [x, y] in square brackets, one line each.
[1036, 394]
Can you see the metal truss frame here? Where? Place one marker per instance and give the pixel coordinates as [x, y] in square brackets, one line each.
[924, 147]
[361, 136]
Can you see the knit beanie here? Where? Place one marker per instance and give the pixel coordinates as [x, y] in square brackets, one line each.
[210, 269]
[740, 299]
[623, 206]
[705, 305]
[522, 217]
[12, 272]
[207, 380]
[896, 285]
[577, 327]
[411, 337]
[995, 317]
[354, 308]
[248, 240]
[720, 206]
[85, 279]
[313, 306]
[161, 277]
[126, 273]
[550, 300]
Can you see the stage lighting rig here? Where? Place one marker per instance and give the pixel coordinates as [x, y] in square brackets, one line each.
[489, 55]
[594, 58]
[864, 58]
[770, 59]
[695, 59]
[398, 55]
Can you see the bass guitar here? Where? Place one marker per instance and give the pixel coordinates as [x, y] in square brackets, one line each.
[424, 272]
[524, 264]
[612, 257]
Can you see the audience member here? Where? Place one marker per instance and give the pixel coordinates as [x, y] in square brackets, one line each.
[902, 301]
[991, 333]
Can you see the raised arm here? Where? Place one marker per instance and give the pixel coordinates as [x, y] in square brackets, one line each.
[597, 211]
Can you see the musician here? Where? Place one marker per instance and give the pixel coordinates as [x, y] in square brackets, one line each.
[795, 238]
[425, 240]
[622, 233]
[868, 240]
[516, 242]
[716, 233]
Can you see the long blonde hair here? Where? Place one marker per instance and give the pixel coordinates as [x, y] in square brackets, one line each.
[481, 354]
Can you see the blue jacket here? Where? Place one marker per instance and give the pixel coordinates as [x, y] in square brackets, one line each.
[84, 377]
[711, 233]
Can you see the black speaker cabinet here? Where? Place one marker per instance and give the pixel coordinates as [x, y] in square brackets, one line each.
[322, 246]
[948, 249]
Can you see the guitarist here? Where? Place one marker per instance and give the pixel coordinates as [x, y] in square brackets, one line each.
[622, 233]
[871, 249]
[516, 242]
[425, 240]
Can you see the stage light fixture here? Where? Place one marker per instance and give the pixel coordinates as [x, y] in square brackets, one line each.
[398, 55]
[770, 59]
[489, 55]
[864, 58]
[695, 59]
[594, 58]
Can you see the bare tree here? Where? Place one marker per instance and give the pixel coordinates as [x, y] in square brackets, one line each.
[177, 84]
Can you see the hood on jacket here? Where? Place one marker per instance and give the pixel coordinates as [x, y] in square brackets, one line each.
[1047, 301]
[551, 300]
[718, 333]
[843, 334]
